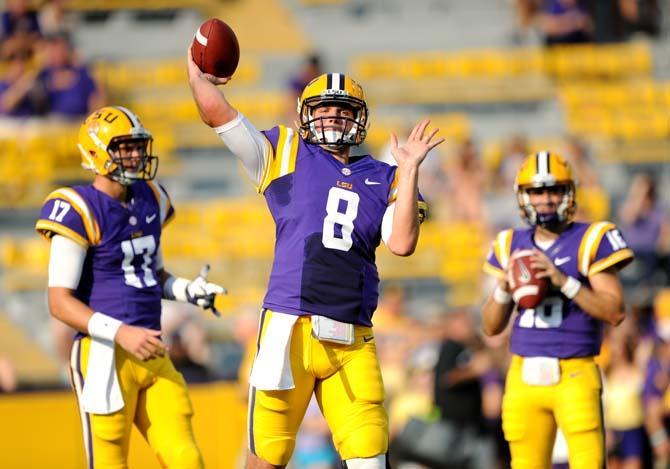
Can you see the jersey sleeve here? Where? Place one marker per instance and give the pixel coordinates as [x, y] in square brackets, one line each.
[66, 213]
[393, 194]
[602, 247]
[285, 142]
[496, 260]
[166, 208]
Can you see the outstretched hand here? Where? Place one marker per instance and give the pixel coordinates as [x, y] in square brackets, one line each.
[194, 72]
[414, 151]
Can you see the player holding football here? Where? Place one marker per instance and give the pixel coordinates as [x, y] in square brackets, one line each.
[553, 379]
[106, 279]
[331, 210]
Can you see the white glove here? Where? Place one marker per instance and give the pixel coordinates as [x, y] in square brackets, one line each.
[198, 291]
[202, 293]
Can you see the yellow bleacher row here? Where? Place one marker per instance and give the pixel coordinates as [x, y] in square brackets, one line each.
[569, 62]
[493, 75]
[206, 6]
[236, 237]
[631, 110]
[37, 157]
[132, 76]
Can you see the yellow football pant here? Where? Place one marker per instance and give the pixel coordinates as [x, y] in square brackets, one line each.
[347, 382]
[156, 401]
[530, 415]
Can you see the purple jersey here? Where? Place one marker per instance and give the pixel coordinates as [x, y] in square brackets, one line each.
[328, 218]
[119, 276]
[558, 327]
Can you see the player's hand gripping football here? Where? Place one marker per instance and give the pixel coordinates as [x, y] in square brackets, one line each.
[414, 151]
[202, 293]
[547, 269]
[194, 73]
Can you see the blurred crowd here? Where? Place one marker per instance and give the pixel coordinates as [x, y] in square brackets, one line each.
[43, 76]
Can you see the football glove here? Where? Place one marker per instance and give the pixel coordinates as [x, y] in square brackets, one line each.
[202, 293]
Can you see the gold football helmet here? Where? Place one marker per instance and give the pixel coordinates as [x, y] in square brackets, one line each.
[100, 136]
[545, 169]
[339, 90]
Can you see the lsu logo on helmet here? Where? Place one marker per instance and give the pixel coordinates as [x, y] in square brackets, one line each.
[100, 136]
[545, 169]
[339, 90]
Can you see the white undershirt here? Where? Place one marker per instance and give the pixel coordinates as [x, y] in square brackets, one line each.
[66, 261]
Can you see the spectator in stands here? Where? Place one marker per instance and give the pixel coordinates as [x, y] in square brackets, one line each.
[525, 12]
[20, 93]
[70, 88]
[622, 399]
[311, 68]
[565, 22]
[467, 184]
[645, 225]
[314, 445]
[55, 18]
[641, 16]
[8, 379]
[461, 367]
[20, 28]
[186, 339]
[592, 201]
[657, 388]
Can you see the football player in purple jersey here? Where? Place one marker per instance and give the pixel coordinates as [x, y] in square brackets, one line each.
[553, 379]
[106, 280]
[331, 210]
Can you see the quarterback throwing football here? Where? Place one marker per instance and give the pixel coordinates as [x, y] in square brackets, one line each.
[331, 211]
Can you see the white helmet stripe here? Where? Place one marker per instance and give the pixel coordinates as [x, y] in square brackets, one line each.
[137, 125]
[543, 163]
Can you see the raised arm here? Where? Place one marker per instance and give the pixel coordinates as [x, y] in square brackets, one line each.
[405, 228]
[212, 105]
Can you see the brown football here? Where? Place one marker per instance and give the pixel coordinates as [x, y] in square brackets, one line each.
[528, 291]
[215, 48]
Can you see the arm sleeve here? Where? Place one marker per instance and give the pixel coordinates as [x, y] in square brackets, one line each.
[249, 145]
[66, 262]
[603, 246]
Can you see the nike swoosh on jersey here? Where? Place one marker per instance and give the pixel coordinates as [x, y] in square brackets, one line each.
[150, 218]
[561, 260]
[371, 183]
[368, 338]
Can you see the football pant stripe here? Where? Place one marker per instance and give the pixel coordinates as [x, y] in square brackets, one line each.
[78, 384]
[252, 390]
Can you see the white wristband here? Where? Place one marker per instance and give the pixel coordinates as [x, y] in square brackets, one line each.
[571, 287]
[174, 288]
[501, 296]
[104, 327]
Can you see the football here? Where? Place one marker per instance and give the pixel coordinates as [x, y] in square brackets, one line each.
[215, 48]
[527, 290]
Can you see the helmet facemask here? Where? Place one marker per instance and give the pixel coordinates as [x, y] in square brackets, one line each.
[315, 129]
[120, 168]
[563, 213]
